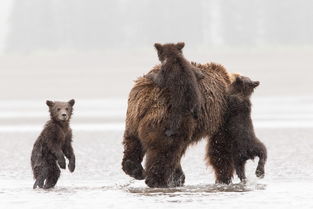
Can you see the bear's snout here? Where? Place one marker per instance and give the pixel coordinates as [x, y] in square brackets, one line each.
[63, 116]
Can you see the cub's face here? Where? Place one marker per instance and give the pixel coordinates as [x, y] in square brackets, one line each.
[61, 111]
[243, 85]
[168, 50]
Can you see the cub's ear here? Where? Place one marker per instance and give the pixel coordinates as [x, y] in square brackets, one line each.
[239, 80]
[49, 103]
[158, 47]
[71, 102]
[180, 45]
[255, 84]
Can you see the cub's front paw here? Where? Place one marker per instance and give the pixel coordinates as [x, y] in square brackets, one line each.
[62, 163]
[71, 166]
[196, 111]
[260, 172]
[170, 132]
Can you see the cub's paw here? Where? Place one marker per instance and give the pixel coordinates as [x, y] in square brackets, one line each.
[170, 132]
[62, 163]
[260, 172]
[71, 166]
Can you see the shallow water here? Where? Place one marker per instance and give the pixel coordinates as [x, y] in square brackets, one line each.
[99, 182]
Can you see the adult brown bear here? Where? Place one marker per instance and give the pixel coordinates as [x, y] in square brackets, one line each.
[148, 108]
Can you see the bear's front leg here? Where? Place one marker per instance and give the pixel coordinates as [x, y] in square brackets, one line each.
[260, 151]
[61, 160]
[69, 153]
[71, 164]
[133, 156]
[56, 149]
[60, 157]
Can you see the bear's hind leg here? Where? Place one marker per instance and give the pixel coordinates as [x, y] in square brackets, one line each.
[160, 166]
[220, 157]
[53, 176]
[178, 177]
[40, 177]
[133, 156]
[240, 168]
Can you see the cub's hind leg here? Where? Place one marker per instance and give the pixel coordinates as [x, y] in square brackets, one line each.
[240, 163]
[219, 155]
[40, 174]
[53, 176]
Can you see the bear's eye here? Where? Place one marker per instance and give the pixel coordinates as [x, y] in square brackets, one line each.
[58, 109]
[66, 109]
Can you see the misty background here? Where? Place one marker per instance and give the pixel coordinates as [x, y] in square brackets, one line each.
[95, 49]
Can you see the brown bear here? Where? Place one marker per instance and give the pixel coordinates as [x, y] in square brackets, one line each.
[238, 128]
[148, 108]
[54, 142]
[179, 77]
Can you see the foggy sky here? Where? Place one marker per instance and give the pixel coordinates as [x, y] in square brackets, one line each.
[97, 24]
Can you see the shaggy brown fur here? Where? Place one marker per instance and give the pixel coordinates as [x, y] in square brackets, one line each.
[52, 145]
[148, 108]
[178, 76]
[239, 127]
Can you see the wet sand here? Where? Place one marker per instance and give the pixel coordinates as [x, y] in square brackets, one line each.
[99, 182]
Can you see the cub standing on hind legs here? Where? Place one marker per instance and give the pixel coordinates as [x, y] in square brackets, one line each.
[245, 145]
[181, 79]
[54, 142]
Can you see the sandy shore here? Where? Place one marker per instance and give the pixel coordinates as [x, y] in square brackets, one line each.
[111, 74]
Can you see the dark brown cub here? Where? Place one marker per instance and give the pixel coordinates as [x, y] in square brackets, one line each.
[239, 127]
[53, 145]
[180, 78]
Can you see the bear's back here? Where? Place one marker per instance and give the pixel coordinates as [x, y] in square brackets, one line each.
[150, 103]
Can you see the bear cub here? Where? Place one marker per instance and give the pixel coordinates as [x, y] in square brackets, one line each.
[180, 77]
[245, 145]
[53, 145]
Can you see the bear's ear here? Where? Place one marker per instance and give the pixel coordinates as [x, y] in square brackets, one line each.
[255, 84]
[49, 103]
[180, 45]
[71, 102]
[158, 47]
[239, 80]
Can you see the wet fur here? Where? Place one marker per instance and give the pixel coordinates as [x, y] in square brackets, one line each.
[52, 146]
[238, 128]
[178, 76]
[148, 109]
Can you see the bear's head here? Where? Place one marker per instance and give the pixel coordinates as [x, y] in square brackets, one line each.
[61, 111]
[166, 51]
[243, 86]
